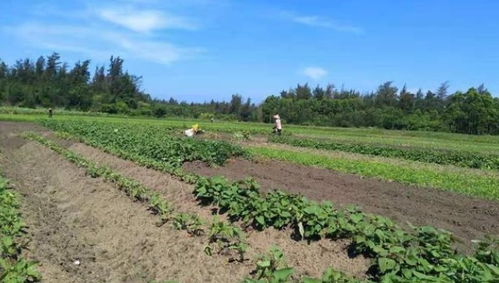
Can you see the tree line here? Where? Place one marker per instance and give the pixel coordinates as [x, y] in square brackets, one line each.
[475, 111]
[49, 82]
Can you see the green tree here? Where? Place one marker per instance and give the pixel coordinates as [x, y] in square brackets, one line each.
[407, 100]
[472, 112]
[303, 92]
[386, 95]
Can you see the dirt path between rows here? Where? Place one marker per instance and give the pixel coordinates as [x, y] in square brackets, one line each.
[74, 217]
[468, 218]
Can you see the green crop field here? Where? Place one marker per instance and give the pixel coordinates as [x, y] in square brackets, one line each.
[414, 148]
[437, 140]
[395, 254]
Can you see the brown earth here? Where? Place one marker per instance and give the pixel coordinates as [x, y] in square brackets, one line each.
[71, 217]
[468, 218]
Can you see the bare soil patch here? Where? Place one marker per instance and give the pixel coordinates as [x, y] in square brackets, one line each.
[468, 218]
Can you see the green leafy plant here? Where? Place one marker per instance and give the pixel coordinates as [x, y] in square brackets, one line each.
[271, 268]
[19, 271]
[13, 267]
[488, 250]
[242, 135]
[189, 222]
[160, 206]
[226, 239]
[331, 276]
[147, 141]
[424, 254]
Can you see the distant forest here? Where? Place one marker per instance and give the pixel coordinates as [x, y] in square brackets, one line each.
[49, 82]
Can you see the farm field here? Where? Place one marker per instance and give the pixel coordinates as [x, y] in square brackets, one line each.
[139, 179]
[436, 140]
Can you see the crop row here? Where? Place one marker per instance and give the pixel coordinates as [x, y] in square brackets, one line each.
[446, 157]
[272, 268]
[149, 141]
[132, 188]
[13, 267]
[424, 254]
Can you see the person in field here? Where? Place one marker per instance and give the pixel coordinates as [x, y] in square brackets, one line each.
[277, 124]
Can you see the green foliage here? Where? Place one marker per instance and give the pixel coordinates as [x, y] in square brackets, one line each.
[241, 135]
[19, 271]
[226, 239]
[392, 138]
[457, 158]
[48, 83]
[242, 201]
[271, 268]
[331, 276]
[488, 251]
[13, 267]
[189, 222]
[473, 112]
[160, 206]
[148, 142]
[424, 254]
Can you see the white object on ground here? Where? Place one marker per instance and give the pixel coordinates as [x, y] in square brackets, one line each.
[189, 133]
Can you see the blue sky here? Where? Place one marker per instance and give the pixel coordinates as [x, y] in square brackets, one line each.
[198, 50]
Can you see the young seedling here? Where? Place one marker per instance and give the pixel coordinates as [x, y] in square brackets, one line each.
[161, 207]
[227, 239]
[271, 267]
[189, 222]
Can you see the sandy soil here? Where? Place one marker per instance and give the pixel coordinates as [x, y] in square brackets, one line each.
[74, 217]
[468, 218]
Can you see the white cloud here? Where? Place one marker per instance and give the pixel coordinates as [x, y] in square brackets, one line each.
[315, 73]
[162, 52]
[316, 21]
[311, 21]
[144, 20]
[100, 45]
